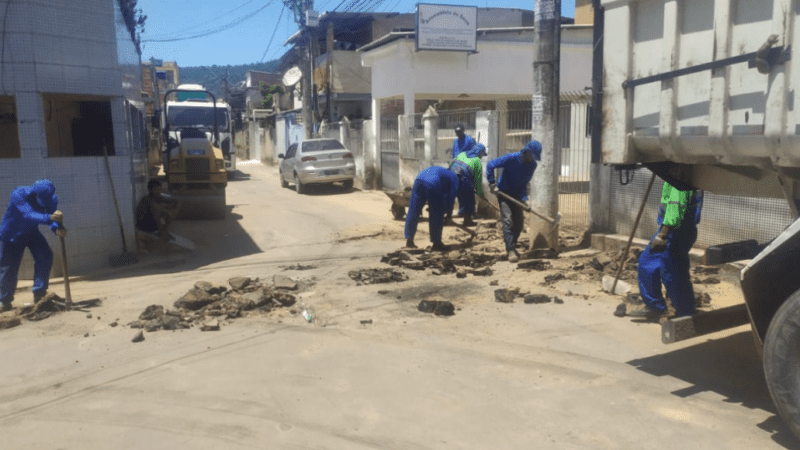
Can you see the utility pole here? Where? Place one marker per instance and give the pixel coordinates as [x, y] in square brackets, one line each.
[300, 7]
[545, 104]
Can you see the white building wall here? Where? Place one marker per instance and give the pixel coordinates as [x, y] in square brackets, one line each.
[74, 47]
[500, 68]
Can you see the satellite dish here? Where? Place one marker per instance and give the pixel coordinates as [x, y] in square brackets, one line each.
[292, 76]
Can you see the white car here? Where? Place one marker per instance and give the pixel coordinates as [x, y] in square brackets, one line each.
[317, 161]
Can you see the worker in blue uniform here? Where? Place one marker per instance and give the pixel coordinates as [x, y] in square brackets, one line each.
[467, 165]
[518, 168]
[436, 186]
[666, 258]
[462, 142]
[29, 207]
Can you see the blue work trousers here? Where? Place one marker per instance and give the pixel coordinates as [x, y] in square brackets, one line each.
[466, 190]
[513, 220]
[10, 258]
[672, 268]
[422, 193]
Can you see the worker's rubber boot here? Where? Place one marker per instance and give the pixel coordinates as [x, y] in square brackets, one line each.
[468, 222]
[513, 256]
[6, 307]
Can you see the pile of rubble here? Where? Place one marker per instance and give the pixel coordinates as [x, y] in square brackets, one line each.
[509, 295]
[209, 305]
[47, 306]
[460, 262]
[376, 276]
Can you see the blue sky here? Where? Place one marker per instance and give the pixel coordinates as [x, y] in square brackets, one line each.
[239, 31]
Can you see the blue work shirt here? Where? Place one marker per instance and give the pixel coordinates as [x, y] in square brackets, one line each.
[468, 145]
[25, 214]
[440, 180]
[516, 174]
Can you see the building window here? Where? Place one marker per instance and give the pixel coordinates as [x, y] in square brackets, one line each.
[78, 125]
[9, 130]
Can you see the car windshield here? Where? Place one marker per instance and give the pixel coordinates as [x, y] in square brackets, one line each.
[319, 146]
[192, 116]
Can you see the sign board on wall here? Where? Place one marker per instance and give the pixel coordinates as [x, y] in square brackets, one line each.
[445, 27]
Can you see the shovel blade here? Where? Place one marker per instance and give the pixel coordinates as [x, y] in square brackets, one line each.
[621, 287]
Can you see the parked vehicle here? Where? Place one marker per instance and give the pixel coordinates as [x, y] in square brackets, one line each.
[713, 86]
[316, 161]
[195, 164]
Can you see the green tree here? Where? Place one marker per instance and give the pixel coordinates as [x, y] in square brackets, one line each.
[268, 92]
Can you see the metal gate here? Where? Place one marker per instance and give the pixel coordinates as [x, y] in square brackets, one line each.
[390, 153]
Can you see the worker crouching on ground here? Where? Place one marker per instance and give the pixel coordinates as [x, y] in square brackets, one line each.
[467, 166]
[437, 186]
[29, 207]
[154, 213]
[518, 170]
[666, 258]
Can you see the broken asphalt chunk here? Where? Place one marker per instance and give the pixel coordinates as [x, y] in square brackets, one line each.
[374, 276]
[536, 264]
[284, 282]
[239, 283]
[505, 295]
[139, 337]
[537, 299]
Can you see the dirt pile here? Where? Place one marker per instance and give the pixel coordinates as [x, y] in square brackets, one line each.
[210, 305]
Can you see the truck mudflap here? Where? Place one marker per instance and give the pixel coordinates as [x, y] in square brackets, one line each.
[771, 278]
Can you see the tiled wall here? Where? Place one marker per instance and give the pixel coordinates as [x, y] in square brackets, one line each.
[72, 47]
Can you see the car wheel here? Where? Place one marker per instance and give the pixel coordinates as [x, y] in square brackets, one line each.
[284, 184]
[298, 186]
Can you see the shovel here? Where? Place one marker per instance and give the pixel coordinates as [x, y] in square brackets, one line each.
[553, 222]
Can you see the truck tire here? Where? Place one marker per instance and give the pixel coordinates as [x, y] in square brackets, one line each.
[782, 361]
[284, 184]
[219, 207]
[298, 186]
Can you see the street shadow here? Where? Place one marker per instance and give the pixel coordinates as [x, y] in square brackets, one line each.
[320, 190]
[215, 241]
[238, 175]
[730, 367]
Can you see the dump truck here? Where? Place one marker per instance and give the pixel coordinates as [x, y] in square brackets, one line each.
[194, 162]
[711, 86]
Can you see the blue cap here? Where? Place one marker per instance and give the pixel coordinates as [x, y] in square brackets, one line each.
[534, 147]
[477, 150]
[45, 191]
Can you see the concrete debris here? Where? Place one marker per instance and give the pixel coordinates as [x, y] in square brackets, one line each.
[239, 283]
[198, 307]
[284, 282]
[541, 253]
[437, 307]
[549, 279]
[138, 338]
[89, 316]
[494, 283]
[578, 266]
[461, 273]
[708, 280]
[537, 299]
[597, 264]
[536, 264]
[702, 300]
[113, 324]
[621, 311]
[374, 276]
[366, 322]
[9, 320]
[706, 270]
[210, 325]
[505, 295]
[299, 267]
[475, 262]
[558, 301]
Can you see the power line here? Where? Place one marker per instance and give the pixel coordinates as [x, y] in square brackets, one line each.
[225, 27]
[185, 30]
[273, 33]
